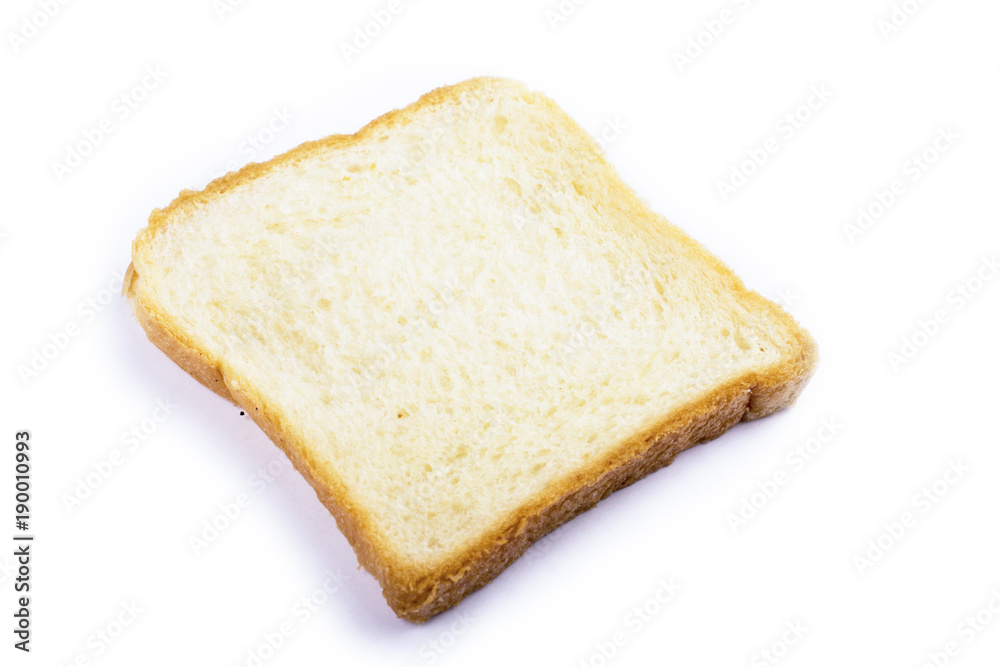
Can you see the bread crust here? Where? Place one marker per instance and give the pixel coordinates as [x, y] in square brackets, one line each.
[417, 593]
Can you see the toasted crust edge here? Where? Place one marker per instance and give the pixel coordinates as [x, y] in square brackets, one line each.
[414, 593]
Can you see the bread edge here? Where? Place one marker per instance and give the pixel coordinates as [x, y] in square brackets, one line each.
[416, 594]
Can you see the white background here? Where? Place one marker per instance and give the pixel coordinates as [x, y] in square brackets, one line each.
[684, 128]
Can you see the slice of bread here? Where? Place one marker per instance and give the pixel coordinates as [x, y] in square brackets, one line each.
[462, 328]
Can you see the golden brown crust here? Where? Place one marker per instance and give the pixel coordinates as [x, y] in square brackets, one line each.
[195, 363]
[416, 593]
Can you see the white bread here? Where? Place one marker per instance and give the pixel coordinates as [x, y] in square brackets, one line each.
[461, 327]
